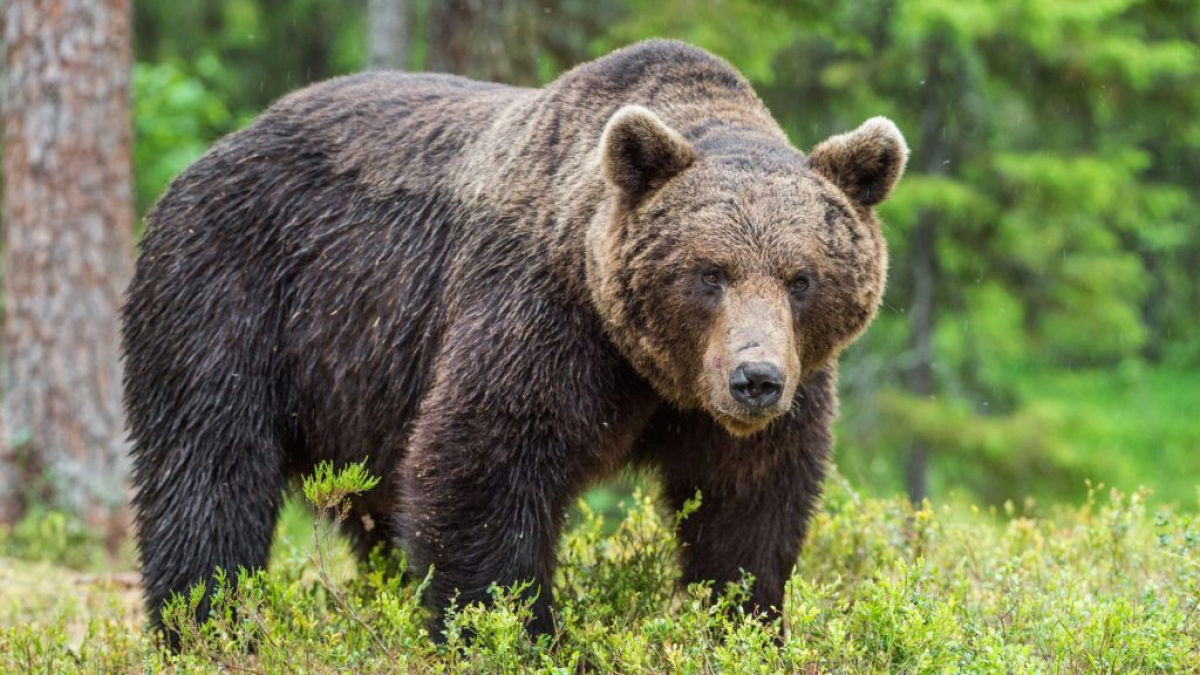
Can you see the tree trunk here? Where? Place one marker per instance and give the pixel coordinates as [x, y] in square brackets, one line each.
[493, 40]
[68, 227]
[924, 265]
[388, 40]
[922, 320]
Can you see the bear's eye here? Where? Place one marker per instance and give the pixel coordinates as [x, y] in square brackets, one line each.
[799, 286]
[713, 276]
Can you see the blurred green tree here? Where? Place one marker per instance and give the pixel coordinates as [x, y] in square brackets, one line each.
[267, 47]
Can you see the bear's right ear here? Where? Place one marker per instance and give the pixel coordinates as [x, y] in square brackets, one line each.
[864, 163]
[640, 153]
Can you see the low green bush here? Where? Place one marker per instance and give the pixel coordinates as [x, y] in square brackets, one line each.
[1107, 586]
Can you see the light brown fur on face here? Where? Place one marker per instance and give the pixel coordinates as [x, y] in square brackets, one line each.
[753, 325]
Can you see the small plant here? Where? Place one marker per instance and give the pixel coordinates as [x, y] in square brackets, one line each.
[330, 491]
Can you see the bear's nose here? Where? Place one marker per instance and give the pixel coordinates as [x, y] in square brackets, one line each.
[758, 384]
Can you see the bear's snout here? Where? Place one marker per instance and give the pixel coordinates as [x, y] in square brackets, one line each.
[753, 356]
[757, 384]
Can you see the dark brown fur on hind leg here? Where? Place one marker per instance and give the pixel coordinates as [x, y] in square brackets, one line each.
[486, 293]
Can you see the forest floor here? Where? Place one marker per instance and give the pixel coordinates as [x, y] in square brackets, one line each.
[1110, 585]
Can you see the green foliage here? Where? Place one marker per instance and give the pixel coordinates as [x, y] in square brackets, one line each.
[269, 48]
[329, 490]
[882, 587]
[53, 536]
[1131, 426]
[1134, 426]
[177, 113]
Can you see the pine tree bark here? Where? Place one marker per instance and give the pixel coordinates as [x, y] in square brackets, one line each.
[924, 269]
[919, 377]
[387, 26]
[492, 40]
[68, 227]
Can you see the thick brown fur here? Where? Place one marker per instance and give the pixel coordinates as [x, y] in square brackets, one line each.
[494, 296]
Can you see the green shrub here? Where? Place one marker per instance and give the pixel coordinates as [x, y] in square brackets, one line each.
[1107, 586]
[55, 537]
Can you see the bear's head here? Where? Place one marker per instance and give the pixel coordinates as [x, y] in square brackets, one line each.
[729, 270]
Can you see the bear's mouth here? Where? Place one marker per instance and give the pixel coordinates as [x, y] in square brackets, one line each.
[744, 424]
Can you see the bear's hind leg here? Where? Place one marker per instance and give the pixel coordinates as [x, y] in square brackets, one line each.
[208, 501]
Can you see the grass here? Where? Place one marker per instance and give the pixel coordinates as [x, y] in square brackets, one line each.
[1111, 585]
[1144, 421]
[1042, 436]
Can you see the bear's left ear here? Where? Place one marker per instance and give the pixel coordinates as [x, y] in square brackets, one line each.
[864, 163]
[639, 152]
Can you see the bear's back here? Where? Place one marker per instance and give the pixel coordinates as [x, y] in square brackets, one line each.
[393, 130]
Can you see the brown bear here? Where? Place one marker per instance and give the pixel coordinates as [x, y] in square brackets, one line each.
[494, 296]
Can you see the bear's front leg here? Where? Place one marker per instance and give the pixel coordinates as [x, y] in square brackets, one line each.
[484, 506]
[517, 418]
[757, 492]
